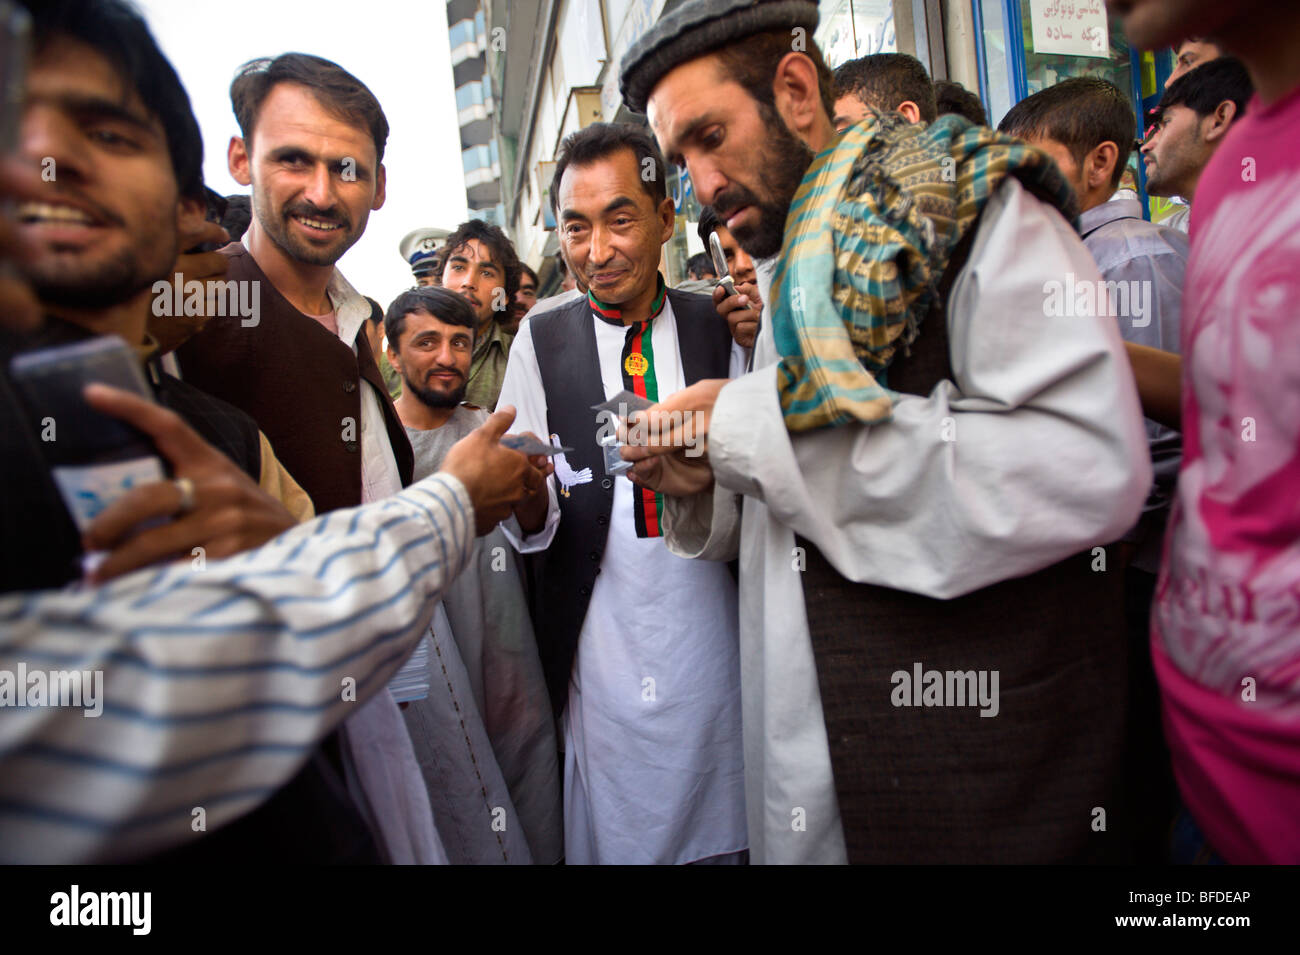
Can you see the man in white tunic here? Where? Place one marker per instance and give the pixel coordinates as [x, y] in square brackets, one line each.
[932, 524]
[639, 645]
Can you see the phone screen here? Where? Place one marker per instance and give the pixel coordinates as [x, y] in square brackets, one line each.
[94, 459]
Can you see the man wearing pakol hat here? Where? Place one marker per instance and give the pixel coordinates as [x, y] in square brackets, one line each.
[419, 249]
[928, 674]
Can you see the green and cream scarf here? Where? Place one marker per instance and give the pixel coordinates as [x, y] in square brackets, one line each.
[868, 237]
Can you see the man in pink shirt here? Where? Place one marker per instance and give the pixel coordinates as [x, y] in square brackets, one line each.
[1226, 621]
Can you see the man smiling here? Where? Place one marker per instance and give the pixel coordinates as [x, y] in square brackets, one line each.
[638, 646]
[312, 148]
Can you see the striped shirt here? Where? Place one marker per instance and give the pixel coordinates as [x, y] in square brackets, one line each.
[217, 681]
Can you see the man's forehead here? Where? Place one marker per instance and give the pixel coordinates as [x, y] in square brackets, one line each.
[422, 322]
[291, 114]
[684, 95]
[601, 180]
[474, 250]
[66, 69]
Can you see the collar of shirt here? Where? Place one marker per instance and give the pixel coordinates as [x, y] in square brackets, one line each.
[1098, 216]
[483, 343]
[613, 315]
[350, 307]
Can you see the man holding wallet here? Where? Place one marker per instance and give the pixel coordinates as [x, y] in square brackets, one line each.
[638, 646]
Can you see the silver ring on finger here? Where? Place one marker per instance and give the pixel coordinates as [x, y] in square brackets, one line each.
[186, 488]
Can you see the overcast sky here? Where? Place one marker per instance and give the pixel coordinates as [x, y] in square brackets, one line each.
[398, 49]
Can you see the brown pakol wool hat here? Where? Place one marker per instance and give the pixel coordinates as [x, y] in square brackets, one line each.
[699, 27]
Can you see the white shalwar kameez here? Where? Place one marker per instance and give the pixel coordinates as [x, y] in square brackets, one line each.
[652, 737]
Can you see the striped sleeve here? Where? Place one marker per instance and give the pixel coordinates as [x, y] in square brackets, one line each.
[215, 681]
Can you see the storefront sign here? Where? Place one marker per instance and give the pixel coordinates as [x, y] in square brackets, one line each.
[1071, 27]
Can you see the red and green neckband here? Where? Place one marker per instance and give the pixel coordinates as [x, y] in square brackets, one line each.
[637, 364]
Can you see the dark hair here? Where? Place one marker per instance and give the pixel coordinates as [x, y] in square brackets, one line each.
[239, 213]
[117, 32]
[952, 97]
[502, 249]
[1080, 113]
[1203, 88]
[752, 63]
[561, 264]
[701, 264]
[604, 139]
[708, 222]
[334, 88]
[525, 270]
[886, 81]
[443, 304]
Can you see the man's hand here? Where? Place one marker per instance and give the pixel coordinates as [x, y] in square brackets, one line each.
[19, 309]
[741, 311]
[230, 513]
[172, 331]
[531, 511]
[496, 477]
[1159, 378]
[668, 441]
[679, 422]
[674, 474]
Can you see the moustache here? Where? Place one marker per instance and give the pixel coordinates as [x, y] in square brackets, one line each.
[732, 198]
[614, 265]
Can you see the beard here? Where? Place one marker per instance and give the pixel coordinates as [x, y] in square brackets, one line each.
[784, 160]
[276, 225]
[107, 283]
[66, 280]
[435, 398]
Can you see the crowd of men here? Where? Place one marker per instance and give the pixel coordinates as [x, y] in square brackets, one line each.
[911, 539]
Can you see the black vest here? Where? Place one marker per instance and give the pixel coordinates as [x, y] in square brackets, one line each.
[565, 342]
[943, 784]
[301, 385]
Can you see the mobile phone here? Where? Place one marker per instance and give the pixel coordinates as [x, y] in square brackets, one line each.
[15, 44]
[94, 459]
[720, 264]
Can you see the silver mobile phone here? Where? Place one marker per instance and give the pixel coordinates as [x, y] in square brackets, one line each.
[720, 264]
[93, 458]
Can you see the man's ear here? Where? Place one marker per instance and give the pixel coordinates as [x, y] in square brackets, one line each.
[910, 110]
[381, 187]
[1100, 165]
[667, 218]
[393, 358]
[799, 99]
[1215, 126]
[237, 161]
